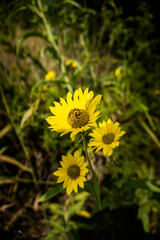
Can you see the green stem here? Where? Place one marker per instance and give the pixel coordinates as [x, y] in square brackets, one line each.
[49, 33]
[53, 43]
[87, 156]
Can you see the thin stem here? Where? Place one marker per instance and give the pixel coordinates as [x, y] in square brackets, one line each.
[50, 36]
[26, 180]
[39, 181]
[87, 156]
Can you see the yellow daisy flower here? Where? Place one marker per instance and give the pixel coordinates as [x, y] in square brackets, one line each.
[106, 137]
[75, 115]
[50, 75]
[72, 172]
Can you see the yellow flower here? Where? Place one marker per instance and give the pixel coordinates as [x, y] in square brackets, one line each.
[75, 115]
[72, 172]
[117, 71]
[50, 75]
[106, 137]
[71, 63]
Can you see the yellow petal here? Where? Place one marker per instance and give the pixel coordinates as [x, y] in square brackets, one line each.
[81, 184]
[76, 154]
[57, 173]
[61, 179]
[74, 183]
[69, 189]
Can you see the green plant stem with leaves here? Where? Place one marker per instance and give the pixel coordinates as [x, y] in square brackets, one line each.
[87, 156]
[61, 58]
[93, 185]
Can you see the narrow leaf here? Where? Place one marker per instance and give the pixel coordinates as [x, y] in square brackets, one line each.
[74, 3]
[152, 187]
[5, 130]
[6, 180]
[27, 115]
[134, 184]
[150, 132]
[143, 215]
[30, 111]
[51, 193]
[94, 189]
[3, 149]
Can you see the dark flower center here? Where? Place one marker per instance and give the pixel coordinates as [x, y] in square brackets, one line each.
[78, 118]
[74, 171]
[108, 138]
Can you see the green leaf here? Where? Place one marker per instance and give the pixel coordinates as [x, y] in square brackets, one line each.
[84, 225]
[79, 200]
[150, 132]
[3, 149]
[93, 187]
[107, 203]
[134, 184]
[143, 215]
[5, 130]
[51, 193]
[152, 187]
[71, 2]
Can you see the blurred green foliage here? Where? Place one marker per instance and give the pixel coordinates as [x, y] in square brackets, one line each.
[39, 36]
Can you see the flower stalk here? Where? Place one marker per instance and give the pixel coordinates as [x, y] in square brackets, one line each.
[87, 156]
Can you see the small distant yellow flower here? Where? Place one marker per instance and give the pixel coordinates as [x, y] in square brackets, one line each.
[71, 63]
[117, 71]
[50, 75]
[83, 213]
[106, 137]
[75, 115]
[72, 172]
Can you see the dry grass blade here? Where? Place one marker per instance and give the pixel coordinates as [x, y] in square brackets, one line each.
[5, 180]
[27, 115]
[5, 130]
[13, 161]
